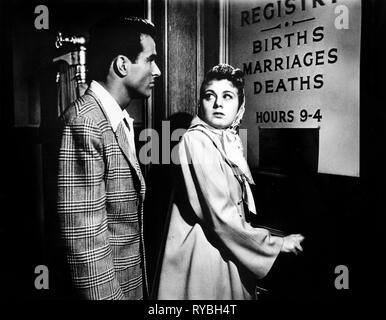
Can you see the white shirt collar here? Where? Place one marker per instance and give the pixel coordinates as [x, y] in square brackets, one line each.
[110, 105]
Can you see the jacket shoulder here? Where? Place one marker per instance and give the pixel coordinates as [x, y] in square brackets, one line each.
[85, 106]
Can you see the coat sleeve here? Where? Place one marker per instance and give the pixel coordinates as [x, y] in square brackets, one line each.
[209, 195]
[82, 211]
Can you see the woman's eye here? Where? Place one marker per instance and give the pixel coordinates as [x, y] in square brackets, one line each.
[208, 96]
[228, 97]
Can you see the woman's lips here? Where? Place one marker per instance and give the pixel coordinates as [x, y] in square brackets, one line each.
[218, 114]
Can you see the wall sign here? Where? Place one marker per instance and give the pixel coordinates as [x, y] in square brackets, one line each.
[301, 59]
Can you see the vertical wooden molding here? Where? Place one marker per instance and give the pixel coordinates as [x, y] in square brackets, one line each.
[200, 49]
[224, 31]
[149, 10]
[166, 66]
[149, 103]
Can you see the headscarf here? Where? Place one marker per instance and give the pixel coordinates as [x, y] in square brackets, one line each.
[233, 146]
[232, 150]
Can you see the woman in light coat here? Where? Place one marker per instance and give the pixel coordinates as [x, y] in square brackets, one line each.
[211, 250]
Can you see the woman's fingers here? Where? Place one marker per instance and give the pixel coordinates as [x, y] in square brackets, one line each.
[297, 239]
[292, 243]
[299, 236]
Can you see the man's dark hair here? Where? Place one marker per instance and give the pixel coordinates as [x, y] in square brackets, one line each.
[112, 37]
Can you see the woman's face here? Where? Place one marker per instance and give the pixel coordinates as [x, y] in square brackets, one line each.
[220, 103]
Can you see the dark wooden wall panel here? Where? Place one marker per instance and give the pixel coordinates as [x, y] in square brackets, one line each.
[187, 46]
[182, 56]
[210, 33]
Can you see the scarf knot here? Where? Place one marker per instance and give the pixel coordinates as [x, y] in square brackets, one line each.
[232, 150]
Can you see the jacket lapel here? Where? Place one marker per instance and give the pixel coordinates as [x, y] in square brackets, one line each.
[123, 145]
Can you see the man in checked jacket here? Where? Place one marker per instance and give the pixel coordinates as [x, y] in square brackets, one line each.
[100, 185]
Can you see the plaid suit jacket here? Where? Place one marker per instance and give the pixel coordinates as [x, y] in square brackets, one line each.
[100, 204]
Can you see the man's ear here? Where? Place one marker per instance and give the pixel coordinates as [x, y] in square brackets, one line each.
[121, 66]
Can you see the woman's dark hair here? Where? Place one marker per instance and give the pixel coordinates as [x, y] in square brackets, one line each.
[225, 71]
[112, 37]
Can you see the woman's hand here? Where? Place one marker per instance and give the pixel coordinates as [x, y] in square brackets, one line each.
[291, 243]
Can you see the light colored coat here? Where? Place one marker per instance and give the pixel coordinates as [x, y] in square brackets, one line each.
[100, 203]
[211, 251]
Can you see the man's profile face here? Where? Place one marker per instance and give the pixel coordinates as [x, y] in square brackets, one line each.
[144, 70]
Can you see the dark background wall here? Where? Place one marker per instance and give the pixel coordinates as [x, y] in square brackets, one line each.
[341, 217]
